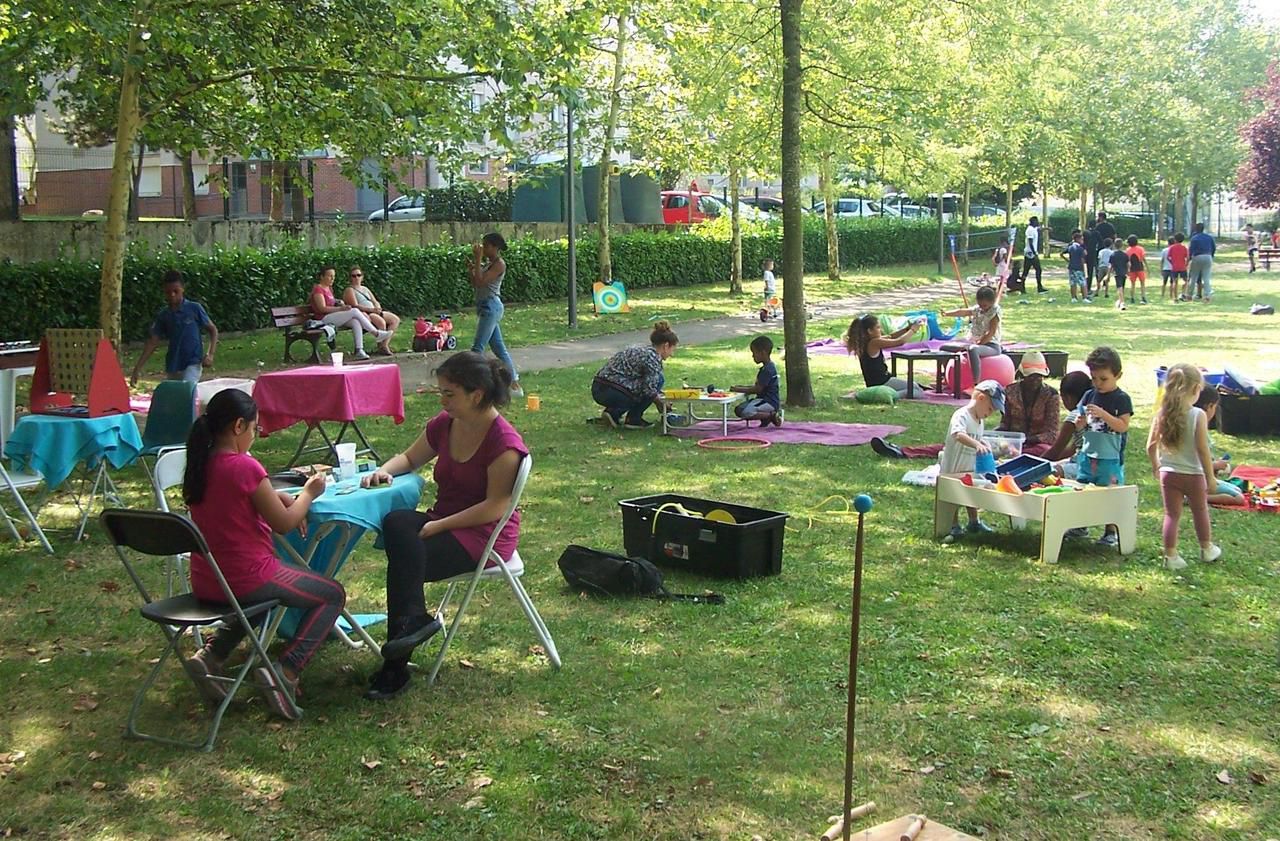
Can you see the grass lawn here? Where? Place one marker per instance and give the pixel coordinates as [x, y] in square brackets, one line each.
[1098, 698]
[528, 324]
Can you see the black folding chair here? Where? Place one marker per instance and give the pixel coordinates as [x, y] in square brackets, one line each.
[162, 534]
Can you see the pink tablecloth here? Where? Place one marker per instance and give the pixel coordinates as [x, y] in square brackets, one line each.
[325, 393]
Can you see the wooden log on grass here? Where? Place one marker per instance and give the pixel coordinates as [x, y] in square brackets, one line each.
[913, 830]
[837, 827]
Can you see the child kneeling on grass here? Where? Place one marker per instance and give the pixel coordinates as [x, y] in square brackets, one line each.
[231, 499]
[964, 442]
[1225, 493]
[765, 400]
[1103, 420]
[1178, 446]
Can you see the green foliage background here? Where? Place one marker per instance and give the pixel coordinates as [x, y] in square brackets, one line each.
[239, 287]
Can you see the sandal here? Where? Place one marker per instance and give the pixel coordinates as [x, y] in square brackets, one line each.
[274, 694]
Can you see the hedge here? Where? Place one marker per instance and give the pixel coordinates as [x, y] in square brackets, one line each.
[239, 287]
[1063, 221]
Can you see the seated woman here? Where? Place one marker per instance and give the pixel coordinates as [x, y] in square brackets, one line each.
[326, 308]
[360, 297]
[1031, 407]
[476, 453]
[867, 341]
[632, 379]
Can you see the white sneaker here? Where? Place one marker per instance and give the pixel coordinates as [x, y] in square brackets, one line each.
[1208, 556]
[384, 335]
[1088, 300]
[1074, 301]
[360, 356]
[516, 390]
[1174, 562]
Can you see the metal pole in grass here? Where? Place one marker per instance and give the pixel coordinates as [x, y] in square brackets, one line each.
[862, 504]
[570, 212]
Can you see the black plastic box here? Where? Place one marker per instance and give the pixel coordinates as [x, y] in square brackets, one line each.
[1055, 359]
[749, 547]
[1258, 414]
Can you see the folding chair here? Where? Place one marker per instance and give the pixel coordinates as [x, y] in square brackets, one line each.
[170, 470]
[160, 534]
[511, 569]
[173, 411]
[15, 483]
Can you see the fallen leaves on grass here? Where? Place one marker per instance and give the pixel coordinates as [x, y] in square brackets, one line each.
[1000, 773]
[98, 785]
[108, 586]
[466, 664]
[1224, 777]
[371, 764]
[85, 704]
[95, 754]
[1257, 778]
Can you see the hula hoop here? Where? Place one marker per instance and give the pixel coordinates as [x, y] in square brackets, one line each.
[747, 442]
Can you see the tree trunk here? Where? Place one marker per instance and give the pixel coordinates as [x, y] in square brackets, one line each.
[1179, 210]
[1008, 206]
[8, 171]
[116, 225]
[964, 221]
[1160, 231]
[33, 167]
[799, 385]
[826, 177]
[1195, 206]
[134, 210]
[275, 180]
[297, 192]
[735, 242]
[605, 256]
[188, 187]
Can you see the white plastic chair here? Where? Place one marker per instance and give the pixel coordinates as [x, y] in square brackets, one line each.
[15, 483]
[511, 569]
[170, 469]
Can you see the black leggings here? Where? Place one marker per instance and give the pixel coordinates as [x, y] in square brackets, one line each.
[412, 561]
[1029, 263]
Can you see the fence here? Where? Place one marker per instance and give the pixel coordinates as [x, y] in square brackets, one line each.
[66, 182]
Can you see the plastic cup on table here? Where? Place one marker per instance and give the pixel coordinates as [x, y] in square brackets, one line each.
[533, 402]
[346, 461]
[337, 359]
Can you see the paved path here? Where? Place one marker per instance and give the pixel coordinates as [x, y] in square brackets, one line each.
[565, 354]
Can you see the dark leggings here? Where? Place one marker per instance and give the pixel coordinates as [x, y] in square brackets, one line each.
[322, 598]
[618, 402]
[412, 561]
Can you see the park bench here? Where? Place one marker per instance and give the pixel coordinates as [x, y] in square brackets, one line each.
[293, 320]
[1266, 254]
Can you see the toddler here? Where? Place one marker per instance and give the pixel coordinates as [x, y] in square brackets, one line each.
[1103, 420]
[964, 442]
[1178, 446]
[765, 401]
[770, 282]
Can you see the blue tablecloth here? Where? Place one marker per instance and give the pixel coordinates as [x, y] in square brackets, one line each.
[53, 445]
[363, 509]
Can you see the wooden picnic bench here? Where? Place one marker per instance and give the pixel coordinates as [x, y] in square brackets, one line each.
[293, 320]
[1267, 253]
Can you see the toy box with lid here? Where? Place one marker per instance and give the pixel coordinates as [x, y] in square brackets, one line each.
[703, 536]
[1004, 445]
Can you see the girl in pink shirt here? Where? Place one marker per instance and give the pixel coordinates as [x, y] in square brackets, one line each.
[476, 453]
[231, 499]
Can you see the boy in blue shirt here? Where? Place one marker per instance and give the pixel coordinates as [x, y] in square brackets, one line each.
[1102, 416]
[180, 323]
[766, 399]
[1075, 267]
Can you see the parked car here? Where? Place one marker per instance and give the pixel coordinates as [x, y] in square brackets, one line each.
[689, 207]
[769, 204]
[978, 211]
[902, 205]
[403, 209]
[854, 208]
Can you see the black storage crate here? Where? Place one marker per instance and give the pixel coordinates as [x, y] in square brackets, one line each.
[750, 547]
[1258, 414]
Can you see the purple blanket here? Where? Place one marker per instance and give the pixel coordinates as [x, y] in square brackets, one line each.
[826, 346]
[798, 432]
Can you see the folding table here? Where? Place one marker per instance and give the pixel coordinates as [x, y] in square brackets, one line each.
[322, 393]
[705, 400]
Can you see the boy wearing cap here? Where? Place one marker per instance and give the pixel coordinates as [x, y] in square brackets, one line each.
[964, 442]
[1103, 420]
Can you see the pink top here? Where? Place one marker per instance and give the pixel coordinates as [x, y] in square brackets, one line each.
[464, 484]
[325, 393]
[236, 533]
[326, 292]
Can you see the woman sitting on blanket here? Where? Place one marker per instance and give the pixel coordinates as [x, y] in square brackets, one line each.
[867, 341]
[1031, 407]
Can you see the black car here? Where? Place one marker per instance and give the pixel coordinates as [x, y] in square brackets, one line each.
[769, 204]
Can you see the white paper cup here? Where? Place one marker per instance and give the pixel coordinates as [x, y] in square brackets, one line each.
[337, 359]
[346, 460]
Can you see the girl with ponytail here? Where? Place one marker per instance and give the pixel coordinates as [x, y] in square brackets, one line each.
[1178, 446]
[476, 454]
[866, 340]
[233, 503]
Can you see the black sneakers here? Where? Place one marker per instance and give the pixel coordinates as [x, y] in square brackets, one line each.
[413, 633]
[882, 447]
[388, 682]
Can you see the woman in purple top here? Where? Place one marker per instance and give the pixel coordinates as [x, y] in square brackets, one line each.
[476, 453]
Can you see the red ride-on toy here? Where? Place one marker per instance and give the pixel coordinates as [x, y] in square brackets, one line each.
[428, 337]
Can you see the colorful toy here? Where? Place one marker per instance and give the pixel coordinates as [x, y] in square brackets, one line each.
[429, 337]
[1009, 486]
[772, 309]
[609, 299]
[936, 332]
[734, 442]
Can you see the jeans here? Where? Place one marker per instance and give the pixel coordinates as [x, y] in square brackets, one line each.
[1199, 275]
[617, 402]
[190, 374]
[489, 333]
[755, 409]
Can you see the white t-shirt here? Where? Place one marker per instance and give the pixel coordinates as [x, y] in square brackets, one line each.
[1165, 265]
[1032, 247]
[957, 457]
[1104, 259]
[769, 283]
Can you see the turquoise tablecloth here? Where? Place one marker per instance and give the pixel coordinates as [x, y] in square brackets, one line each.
[364, 509]
[53, 445]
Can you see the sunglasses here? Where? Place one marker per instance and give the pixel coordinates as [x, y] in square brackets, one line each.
[357, 274]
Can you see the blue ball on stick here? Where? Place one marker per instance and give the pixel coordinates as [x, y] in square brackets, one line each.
[862, 503]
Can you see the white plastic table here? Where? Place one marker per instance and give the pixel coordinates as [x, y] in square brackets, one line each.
[705, 400]
[1057, 512]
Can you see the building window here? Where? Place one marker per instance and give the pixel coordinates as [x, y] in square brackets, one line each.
[149, 185]
[481, 168]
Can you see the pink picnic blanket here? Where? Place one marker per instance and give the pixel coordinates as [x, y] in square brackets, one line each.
[325, 393]
[797, 432]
